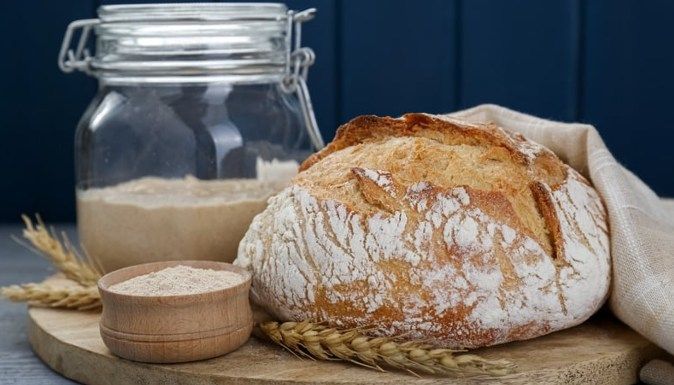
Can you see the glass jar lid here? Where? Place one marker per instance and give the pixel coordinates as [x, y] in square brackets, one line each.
[186, 42]
[193, 11]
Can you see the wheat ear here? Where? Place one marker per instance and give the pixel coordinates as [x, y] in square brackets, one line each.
[60, 252]
[314, 340]
[47, 295]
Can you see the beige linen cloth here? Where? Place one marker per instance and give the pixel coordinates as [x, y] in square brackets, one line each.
[641, 224]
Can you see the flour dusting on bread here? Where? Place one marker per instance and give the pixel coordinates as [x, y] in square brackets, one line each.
[460, 235]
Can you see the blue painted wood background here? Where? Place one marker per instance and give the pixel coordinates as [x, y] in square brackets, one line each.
[606, 62]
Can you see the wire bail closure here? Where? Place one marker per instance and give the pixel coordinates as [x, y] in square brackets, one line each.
[80, 58]
[298, 61]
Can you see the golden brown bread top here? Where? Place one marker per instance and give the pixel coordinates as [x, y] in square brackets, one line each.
[371, 128]
[446, 153]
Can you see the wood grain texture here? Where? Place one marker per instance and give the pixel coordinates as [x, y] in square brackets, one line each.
[601, 351]
[18, 364]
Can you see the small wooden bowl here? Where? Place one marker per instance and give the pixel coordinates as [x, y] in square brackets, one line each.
[178, 328]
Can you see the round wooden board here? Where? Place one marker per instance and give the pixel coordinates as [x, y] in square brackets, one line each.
[601, 351]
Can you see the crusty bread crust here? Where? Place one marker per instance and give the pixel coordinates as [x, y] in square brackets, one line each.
[449, 131]
[460, 234]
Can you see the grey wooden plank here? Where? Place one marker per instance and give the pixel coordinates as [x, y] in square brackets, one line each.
[18, 364]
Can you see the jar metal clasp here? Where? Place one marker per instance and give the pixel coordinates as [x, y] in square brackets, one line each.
[298, 61]
[79, 58]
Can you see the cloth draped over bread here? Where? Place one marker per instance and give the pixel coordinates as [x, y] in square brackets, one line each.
[641, 226]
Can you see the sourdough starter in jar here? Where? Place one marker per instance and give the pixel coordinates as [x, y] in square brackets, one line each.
[156, 219]
[217, 91]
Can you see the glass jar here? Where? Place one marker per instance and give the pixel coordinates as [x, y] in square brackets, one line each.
[202, 113]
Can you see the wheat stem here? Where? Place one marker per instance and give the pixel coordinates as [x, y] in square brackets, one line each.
[48, 295]
[60, 252]
[318, 341]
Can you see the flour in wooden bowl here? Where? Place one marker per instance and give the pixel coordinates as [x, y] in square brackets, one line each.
[178, 280]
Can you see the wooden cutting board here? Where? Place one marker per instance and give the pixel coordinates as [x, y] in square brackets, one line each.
[601, 351]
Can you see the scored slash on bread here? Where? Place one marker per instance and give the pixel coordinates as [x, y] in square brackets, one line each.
[460, 234]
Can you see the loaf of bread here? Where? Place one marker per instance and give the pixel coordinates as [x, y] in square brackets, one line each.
[463, 235]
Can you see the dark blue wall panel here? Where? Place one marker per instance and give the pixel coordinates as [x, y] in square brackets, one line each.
[629, 84]
[609, 63]
[396, 57]
[39, 108]
[522, 54]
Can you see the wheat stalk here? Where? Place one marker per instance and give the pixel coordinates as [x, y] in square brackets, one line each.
[48, 295]
[81, 294]
[314, 340]
[60, 252]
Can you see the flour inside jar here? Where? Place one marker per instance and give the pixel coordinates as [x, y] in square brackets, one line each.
[156, 219]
